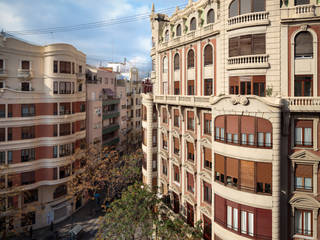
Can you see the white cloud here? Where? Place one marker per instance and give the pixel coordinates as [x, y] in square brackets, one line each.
[9, 17]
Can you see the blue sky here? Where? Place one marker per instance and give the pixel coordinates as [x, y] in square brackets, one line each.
[130, 40]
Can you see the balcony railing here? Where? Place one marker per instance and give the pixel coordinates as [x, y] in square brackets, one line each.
[303, 104]
[3, 73]
[110, 129]
[113, 114]
[25, 73]
[248, 61]
[256, 18]
[300, 11]
[183, 100]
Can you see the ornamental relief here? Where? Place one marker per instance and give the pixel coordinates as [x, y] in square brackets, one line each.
[175, 133]
[189, 199]
[205, 142]
[164, 154]
[205, 211]
[164, 130]
[205, 175]
[189, 166]
[175, 161]
[189, 138]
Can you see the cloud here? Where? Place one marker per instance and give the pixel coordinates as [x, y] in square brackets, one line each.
[9, 17]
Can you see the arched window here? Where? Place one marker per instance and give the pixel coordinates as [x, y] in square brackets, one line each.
[303, 45]
[239, 7]
[193, 24]
[210, 16]
[60, 191]
[176, 62]
[178, 30]
[165, 65]
[191, 59]
[208, 55]
[166, 36]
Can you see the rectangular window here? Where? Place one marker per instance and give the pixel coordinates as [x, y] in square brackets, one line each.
[27, 155]
[2, 134]
[30, 196]
[65, 67]
[303, 222]
[9, 157]
[55, 87]
[191, 121]
[229, 217]
[208, 87]
[55, 66]
[207, 194]
[164, 167]
[304, 133]
[190, 182]
[190, 149]
[176, 121]
[176, 88]
[303, 177]
[176, 174]
[164, 116]
[207, 123]
[27, 178]
[207, 158]
[2, 158]
[2, 110]
[190, 87]
[25, 65]
[55, 151]
[176, 146]
[303, 86]
[247, 85]
[28, 110]
[219, 168]
[1, 64]
[65, 150]
[65, 129]
[25, 86]
[27, 132]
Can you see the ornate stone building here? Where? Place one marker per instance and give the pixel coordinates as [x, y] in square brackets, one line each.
[42, 124]
[231, 133]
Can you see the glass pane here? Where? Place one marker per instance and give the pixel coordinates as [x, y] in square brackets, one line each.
[229, 217]
[244, 138]
[307, 89]
[242, 88]
[233, 8]
[235, 219]
[307, 223]
[268, 139]
[308, 136]
[244, 222]
[217, 133]
[259, 5]
[298, 222]
[251, 139]
[248, 88]
[250, 224]
[229, 137]
[222, 134]
[245, 6]
[301, 2]
[260, 139]
[308, 183]
[299, 182]
[298, 136]
[235, 138]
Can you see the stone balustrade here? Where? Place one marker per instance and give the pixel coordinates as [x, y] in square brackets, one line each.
[248, 61]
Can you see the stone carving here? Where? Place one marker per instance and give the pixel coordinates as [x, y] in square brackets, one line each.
[243, 100]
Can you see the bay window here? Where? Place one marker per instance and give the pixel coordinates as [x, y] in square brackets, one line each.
[303, 222]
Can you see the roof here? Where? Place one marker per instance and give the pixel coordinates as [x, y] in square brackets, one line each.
[108, 69]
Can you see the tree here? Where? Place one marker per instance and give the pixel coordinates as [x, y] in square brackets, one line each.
[140, 214]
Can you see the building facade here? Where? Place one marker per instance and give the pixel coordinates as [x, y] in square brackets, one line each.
[231, 132]
[42, 125]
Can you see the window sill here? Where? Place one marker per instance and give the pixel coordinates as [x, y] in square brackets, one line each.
[297, 236]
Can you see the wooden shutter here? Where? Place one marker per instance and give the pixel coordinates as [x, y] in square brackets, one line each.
[264, 125]
[247, 125]
[259, 43]
[232, 124]
[176, 112]
[190, 114]
[207, 154]
[304, 44]
[207, 116]
[176, 85]
[219, 163]
[219, 122]
[247, 175]
[246, 45]
[191, 59]
[232, 167]
[305, 124]
[176, 142]
[190, 147]
[264, 173]
[304, 171]
[234, 47]
[208, 55]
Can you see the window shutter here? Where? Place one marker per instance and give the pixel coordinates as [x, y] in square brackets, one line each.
[219, 163]
[190, 147]
[259, 43]
[219, 122]
[207, 154]
[264, 172]
[176, 84]
[232, 167]
[304, 171]
[247, 124]
[207, 116]
[191, 59]
[208, 55]
[234, 47]
[176, 112]
[264, 125]
[190, 114]
[247, 175]
[303, 123]
[191, 83]
[232, 124]
[246, 45]
[176, 142]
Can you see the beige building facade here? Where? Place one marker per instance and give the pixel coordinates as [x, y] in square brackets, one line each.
[42, 125]
[231, 131]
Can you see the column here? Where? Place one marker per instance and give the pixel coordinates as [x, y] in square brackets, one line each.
[149, 106]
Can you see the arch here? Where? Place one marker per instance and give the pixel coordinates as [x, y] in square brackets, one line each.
[176, 61]
[178, 30]
[210, 16]
[191, 59]
[166, 36]
[193, 24]
[60, 191]
[239, 7]
[303, 45]
[165, 64]
[208, 55]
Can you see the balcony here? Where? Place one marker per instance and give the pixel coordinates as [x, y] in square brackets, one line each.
[25, 74]
[183, 100]
[111, 142]
[80, 75]
[3, 73]
[109, 115]
[248, 62]
[110, 129]
[110, 102]
[300, 12]
[303, 104]
[247, 20]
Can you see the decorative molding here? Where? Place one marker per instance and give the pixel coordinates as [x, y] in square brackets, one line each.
[164, 154]
[243, 100]
[204, 141]
[175, 133]
[205, 176]
[206, 211]
[305, 156]
[189, 138]
[304, 201]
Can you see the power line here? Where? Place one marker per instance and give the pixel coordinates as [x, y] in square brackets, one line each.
[92, 25]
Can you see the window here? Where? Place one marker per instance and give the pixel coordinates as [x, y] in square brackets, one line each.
[25, 65]
[207, 194]
[65, 67]
[2, 158]
[66, 87]
[303, 45]
[154, 137]
[208, 87]
[303, 222]
[207, 123]
[178, 32]
[191, 59]
[303, 86]
[176, 146]
[82, 107]
[208, 55]
[176, 87]
[164, 115]
[166, 36]
[28, 219]
[303, 177]
[65, 150]
[1, 84]
[239, 7]
[2, 134]
[55, 88]
[25, 86]
[27, 178]
[165, 65]
[164, 167]
[65, 108]
[55, 151]
[190, 182]
[1, 64]
[30, 196]
[9, 134]
[247, 85]
[154, 163]
[206, 228]
[176, 174]
[247, 223]
[55, 66]
[301, 2]
[191, 121]
[264, 177]
[210, 16]
[28, 110]
[65, 171]
[247, 45]
[9, 155]
[207, 156]
[232, 218]
[80, 87]
[27, 132]
[176, 120]
[60, 191]
[80, 68]
[190, 151]
[190, 87]
[27, 155]
[303, 133]
[65, 129]
[193, 24]
[164, 142]
[176, 61]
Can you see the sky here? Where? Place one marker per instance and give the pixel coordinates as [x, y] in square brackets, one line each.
[131, 40]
